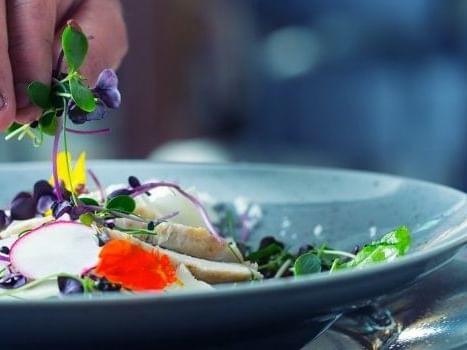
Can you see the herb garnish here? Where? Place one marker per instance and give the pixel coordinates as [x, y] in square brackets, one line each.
[68, 97]
[275, 260]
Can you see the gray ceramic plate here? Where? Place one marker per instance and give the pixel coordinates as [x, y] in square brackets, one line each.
[301, 205]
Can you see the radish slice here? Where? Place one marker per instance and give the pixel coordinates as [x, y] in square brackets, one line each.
[60, 247]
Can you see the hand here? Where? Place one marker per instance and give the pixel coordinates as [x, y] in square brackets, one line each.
[30, 43]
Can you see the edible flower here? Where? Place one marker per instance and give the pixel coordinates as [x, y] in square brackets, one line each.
[107, 89]
[126, 263]
[78, 172]
[107, 94]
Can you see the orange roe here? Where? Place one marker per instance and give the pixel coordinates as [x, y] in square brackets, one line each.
[126, 263]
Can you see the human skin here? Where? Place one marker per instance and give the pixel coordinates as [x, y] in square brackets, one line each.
[30, 44]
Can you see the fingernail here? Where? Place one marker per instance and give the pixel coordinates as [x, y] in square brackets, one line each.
[22, 99]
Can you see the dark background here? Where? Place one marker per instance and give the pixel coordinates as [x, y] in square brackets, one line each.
[377, 85]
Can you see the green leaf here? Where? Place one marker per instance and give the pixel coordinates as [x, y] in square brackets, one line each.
[75, 47]
[122, 203]
[88, 201]
[82, 96]
[391, 246]
[86, 219]
[39, 93]
[266, 252]
[48, 123]
[400, 238]
[306, 264]
[88, 284]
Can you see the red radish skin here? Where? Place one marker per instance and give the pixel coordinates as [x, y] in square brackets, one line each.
[59, 247]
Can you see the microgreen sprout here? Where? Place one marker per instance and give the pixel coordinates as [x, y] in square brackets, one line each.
[68, 97]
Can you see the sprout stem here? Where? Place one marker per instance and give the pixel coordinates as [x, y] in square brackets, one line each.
[338, 252]
[58, 67]
[67, 159]
[58, 190]
[63, 94]
[16, 132]
[98, 184]
[283, 268]
[88, 132]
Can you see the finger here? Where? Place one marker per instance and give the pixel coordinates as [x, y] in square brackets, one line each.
[103, 22]
[7, 95]
[31, 25]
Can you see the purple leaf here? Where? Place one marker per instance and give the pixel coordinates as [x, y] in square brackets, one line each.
[13, 281]
[42, 188]
[4, 221]
[76, 212]
[22, 195]
[23, 208]
[69, 285]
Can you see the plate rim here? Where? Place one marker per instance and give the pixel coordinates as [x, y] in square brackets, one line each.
[267, 286]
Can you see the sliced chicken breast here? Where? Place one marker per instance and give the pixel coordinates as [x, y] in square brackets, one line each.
[205, 270]
[193, 241]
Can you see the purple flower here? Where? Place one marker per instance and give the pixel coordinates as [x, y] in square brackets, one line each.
[78, 116]
[44, 203]
[106, 89]
[108, 96]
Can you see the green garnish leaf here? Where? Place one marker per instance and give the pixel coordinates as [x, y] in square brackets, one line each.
[82, 96]
[88, 201]
[39, 93]
[400, 238]
[86, 219]
[122, 203]
[48, 123]
[88, 284]
[393, 245]
[75, 47]
[306, 264]
[268, 251]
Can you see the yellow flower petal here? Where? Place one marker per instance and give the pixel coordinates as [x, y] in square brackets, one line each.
[78, 173]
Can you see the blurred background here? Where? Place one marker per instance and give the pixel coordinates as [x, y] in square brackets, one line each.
[378, 85]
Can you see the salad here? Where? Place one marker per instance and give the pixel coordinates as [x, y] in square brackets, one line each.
[70, 234]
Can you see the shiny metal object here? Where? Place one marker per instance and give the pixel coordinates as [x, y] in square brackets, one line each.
[432, 314]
